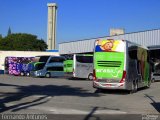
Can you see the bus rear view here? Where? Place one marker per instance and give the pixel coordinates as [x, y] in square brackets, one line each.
[83, 66]
[109, 64]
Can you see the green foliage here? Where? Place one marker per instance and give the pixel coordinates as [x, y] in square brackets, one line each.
[22, 42]
[1, 37]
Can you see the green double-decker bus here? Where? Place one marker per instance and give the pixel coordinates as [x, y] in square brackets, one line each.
[120, 64]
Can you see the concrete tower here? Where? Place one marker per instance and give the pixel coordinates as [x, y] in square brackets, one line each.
[51, 33]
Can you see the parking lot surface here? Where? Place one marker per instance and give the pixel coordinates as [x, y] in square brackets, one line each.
[72, 96]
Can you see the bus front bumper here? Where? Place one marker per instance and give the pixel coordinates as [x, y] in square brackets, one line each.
[35, 74]
[108, 85]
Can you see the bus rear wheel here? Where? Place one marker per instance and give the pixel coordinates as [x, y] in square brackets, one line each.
[149, 84]
[153, 80]
[90, 76]
[48, 75]
[22, 73]
[134, 87]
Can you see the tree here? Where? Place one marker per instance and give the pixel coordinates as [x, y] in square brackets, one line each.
[9, 31]
[22, 42]
[1, 37]
[41, 45]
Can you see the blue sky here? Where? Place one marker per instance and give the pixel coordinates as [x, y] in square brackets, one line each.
[79, 19]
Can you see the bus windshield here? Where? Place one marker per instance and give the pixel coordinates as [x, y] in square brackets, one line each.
[109, 58]
[39, 66]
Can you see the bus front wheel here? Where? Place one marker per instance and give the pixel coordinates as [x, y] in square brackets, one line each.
[27, 74]
[48, 75]
[153, 80]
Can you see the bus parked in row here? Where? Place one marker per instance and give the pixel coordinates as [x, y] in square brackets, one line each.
[83, 66]
[120, 64]
[18, 65]
[68, 66]
[48, 66]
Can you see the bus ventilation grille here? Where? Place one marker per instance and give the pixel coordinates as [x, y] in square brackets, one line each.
[109, 63]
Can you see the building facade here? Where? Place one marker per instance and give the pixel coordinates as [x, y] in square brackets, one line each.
[145, 38]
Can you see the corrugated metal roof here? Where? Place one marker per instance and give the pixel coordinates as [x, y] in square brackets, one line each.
[145, 38]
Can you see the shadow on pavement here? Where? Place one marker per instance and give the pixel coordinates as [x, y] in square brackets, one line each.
[44, 91]
[155, 104]
[78, 79]
[94, 116]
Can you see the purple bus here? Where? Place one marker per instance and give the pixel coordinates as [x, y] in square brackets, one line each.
[18, 65]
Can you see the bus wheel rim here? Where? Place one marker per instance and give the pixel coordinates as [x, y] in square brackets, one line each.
[90, 77]
[47, 75]
[134, 87]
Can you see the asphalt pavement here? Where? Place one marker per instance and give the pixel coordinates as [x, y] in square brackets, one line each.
[75, 99]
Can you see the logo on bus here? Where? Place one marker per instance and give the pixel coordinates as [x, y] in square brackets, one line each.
[113, 72]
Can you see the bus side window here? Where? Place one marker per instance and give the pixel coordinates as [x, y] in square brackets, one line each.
[133, 54]
[43, 58]
[88, 59]
[85, 59]
[55, 69]
[54, 59]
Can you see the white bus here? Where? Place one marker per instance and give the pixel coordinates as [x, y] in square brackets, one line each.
[83, 66]
[48, 66]
[120, 64]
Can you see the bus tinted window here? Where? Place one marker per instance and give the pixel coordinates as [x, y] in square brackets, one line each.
[154, 54]
[39, 66]
[84, 59]
[56, 59]
[43, 59]
[132, 51]
[133, 54]
[55, 69]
